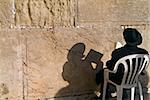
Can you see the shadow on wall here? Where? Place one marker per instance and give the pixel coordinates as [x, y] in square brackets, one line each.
[80, 71]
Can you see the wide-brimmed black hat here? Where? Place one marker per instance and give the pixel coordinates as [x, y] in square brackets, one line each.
[132, 36]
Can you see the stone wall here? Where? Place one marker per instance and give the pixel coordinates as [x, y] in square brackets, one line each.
[47, 46]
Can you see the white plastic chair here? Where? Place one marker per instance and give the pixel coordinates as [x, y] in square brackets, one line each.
[130, 78]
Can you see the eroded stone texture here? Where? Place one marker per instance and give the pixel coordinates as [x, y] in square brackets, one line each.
[43, 63]
[50, 68]
[6, 13]
[113, 10]
[45, 56]
[10, 66]
[45, 13]
[3, 89]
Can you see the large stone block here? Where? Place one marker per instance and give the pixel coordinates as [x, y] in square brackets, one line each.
[52, 67]
[55, 65]
[6, 13]
[11, 80]
[45, 13]
[43, 63]
[113, 10]
[47, 63]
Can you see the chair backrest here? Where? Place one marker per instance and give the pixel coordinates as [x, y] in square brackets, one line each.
[133, 64]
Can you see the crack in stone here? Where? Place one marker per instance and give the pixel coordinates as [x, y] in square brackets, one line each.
[49, 13]
[29, 11]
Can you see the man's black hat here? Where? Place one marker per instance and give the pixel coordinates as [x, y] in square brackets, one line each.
[132, 36]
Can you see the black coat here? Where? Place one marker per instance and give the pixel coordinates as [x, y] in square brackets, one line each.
[119, 53]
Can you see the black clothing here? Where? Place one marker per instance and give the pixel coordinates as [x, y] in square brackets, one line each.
[132, 38]
[119, 53]
[117, 77]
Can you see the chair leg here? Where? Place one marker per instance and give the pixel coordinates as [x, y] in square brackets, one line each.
[119, 93]
[140, 91]
[104, 89]
[132, 93]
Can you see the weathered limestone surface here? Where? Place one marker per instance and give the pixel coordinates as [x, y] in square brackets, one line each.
[42, 57]
[113, 10]
[45, 13]
[49, 70]
[10, 66]
[6, 13]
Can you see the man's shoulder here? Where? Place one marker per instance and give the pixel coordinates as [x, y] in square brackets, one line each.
[117, 52]
[142, 50]
[127, 51]
[118, 49]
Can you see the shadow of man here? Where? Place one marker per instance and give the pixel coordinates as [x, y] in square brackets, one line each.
[80, 72]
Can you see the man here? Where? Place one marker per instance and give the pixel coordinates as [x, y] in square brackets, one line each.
[132, 38]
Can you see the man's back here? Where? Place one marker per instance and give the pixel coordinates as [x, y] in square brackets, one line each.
[119, 53]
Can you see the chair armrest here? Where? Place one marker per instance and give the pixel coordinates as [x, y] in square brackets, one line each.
[107, 72]
[110, 71]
